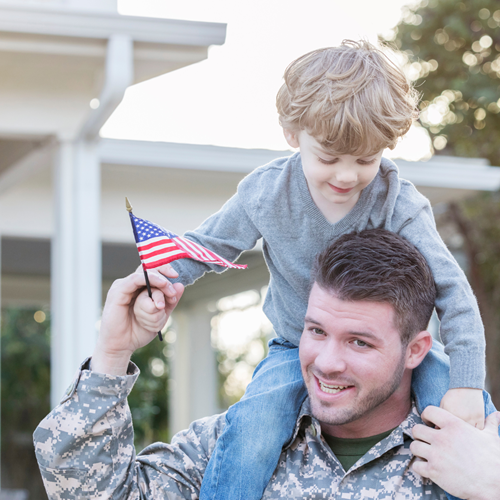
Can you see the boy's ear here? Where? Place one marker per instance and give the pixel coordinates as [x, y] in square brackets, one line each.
[291, 137]
[417, 349]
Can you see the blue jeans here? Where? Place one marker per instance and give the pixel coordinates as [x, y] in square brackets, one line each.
[257, 428]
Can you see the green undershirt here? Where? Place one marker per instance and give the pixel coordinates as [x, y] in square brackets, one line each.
[349, 451]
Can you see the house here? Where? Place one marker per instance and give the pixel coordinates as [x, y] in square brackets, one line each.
[63, 225]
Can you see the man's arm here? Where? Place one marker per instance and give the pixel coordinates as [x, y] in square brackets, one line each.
[462, 460]
[85, 446]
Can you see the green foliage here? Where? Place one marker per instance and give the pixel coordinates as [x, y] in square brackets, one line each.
[453, 56]
[149, 398]
[483, 212]
[229, 363]
[453, 51]
[25, 395]
[25, 392]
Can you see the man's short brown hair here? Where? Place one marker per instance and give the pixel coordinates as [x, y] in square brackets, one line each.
[352, 99]
[380, 266]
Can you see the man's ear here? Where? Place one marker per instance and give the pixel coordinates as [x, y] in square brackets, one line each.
[291, 137]
[417, 349]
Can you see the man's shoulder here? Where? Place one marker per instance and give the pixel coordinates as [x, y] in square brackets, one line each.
[181, 464]
[202, 433]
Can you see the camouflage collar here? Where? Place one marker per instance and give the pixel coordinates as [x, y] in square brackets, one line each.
[306, 419]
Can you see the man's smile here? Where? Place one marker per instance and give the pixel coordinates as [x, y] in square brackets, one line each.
[329, 389]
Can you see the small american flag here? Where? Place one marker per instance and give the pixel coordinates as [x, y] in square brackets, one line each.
[157, 246]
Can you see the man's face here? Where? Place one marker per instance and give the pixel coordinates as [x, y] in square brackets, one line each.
[353, 362]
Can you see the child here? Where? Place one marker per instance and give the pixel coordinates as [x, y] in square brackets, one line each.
[341, 107]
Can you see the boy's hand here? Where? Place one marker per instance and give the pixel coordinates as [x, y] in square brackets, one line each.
[121, 333]
[466, 404]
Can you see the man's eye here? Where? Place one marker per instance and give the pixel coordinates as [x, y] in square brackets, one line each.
[317, 331]
[361, 343]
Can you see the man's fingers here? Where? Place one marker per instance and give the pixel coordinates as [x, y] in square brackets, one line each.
[158, 298]
[144, 304]
[168, 270]
[492, 423]
[420, 449]
[179, 290]
[423, 433]
[478, 423]
[157, 279]
[433, 415]
[421, 467]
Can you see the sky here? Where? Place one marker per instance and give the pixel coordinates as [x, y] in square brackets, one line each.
[229, 99]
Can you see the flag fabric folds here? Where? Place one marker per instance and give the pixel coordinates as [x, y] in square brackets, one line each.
[157, 246]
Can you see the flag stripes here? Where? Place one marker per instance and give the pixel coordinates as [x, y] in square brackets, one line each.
[157, 247]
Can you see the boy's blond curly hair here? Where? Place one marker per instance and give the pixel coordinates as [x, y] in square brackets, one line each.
[352, 99]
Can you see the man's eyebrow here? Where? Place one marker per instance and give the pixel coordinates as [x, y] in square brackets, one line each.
[367, 335]
[308, 319]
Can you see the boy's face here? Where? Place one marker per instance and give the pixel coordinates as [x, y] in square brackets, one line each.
[337, 179]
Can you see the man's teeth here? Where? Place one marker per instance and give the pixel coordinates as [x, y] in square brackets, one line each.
[331, 389]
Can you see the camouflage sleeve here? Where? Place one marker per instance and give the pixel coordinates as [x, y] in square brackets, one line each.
[85, 447]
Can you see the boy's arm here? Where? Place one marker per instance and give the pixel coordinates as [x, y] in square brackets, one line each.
[461, 328]
[228, 233]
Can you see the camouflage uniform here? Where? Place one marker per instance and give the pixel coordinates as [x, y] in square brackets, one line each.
[85, 450]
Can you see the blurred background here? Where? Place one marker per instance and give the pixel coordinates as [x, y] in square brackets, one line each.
[172, 104]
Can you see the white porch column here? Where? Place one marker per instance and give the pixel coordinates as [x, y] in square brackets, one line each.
[76, 261]
[76, 250]
[194, 368]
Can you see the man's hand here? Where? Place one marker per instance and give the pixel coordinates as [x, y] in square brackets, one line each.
[121, 334]
[151, 314]
[459, 458]
[467, 404]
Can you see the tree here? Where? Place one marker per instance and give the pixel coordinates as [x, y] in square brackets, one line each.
[25, 394]
[453, 50]
[453, 57]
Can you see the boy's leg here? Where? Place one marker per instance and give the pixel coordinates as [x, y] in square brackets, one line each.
[257, 428]
[431, 380]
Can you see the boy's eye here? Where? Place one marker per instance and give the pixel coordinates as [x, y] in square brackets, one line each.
[328, 162]
[367, 162]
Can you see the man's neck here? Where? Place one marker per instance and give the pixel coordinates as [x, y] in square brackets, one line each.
[385, 417]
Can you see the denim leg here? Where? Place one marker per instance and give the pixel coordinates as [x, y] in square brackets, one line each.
[257, 428]
[431, 379]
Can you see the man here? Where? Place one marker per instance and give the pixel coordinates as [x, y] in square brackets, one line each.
[364, 333]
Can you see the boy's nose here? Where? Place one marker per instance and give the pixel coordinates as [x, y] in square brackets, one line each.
[346, 176]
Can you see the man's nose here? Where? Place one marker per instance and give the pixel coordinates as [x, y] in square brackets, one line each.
[331, 360]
